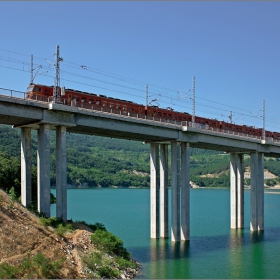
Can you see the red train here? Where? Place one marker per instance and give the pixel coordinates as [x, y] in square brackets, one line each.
[87, 100]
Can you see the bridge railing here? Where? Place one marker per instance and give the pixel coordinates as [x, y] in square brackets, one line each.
[12, 93]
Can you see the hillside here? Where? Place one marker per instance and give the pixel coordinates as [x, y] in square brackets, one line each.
[104, 162]
[29, 249]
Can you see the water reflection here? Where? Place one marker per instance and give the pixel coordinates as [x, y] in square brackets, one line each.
[163, 249]
[257, 236]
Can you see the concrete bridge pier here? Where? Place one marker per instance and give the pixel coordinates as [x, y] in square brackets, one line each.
[163, 190]
[185, 191]
[26, 193]
[175, 191]
[236, 191]
[61, 173]
[43, 169]
[257, 191]
[180, 191]
[154, 189]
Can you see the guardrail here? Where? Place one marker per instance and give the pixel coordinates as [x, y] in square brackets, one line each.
[12, 93]
[94, 107]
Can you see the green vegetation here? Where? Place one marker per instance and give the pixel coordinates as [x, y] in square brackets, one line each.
[104, 162]
[109, 243]
[94, 227]
[31, 268]
[111, 258]
[12, 197]
[100, 266]
[60, 227]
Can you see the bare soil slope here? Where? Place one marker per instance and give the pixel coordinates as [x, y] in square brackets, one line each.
[22, 235]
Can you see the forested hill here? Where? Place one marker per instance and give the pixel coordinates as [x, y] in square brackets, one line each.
[98, 161]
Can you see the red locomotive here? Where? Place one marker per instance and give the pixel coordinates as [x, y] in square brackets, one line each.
[87, 100]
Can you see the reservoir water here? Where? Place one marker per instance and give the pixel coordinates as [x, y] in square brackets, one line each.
[214, 251]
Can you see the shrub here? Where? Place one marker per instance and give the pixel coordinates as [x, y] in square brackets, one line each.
[92, 260]
[8, 271]
[100, 266]
[12, 197]
[109, 243]
[62, 229]
[1, 201]
[123, 263]
[52, 221]
[107, 272]
[94, 227]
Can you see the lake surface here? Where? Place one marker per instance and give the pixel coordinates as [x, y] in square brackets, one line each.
[214, 251]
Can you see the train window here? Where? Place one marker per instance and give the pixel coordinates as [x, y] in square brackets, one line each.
[124, 107]
[105, 103]
[184, 118]
[111, 105]
[31, 88]
[84, 100]
[169, 116]
[98, 102]
[159, 114]
[131, 109]
[118, 106]
[90, 101]
[140, 110]
[179, 118]
[76, 98]
[164, 115]
[37, 89]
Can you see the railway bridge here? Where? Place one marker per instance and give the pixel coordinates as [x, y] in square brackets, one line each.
[27, 114]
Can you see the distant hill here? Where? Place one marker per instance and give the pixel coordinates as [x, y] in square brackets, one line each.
[94, 161]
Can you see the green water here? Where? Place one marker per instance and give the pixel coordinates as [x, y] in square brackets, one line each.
[214, 251]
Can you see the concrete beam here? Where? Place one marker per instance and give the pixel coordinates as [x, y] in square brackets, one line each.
[175, 191]
[61, 174]
[26, 192]
[163, 190]
[154, 196]
[43, 169]
[185, 191]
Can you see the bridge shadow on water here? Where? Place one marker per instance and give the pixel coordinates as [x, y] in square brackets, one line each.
[164, 249]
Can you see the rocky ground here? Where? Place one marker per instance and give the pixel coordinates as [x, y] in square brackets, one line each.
[22, 235]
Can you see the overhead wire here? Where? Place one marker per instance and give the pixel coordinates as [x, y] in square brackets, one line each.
[165, 93]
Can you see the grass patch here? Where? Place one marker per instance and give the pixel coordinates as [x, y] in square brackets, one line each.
[123, 263]
[100, 266]
[60, 227]
[63, 228]
[38, 267]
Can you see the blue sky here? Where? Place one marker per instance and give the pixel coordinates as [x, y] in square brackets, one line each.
[232, 49]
